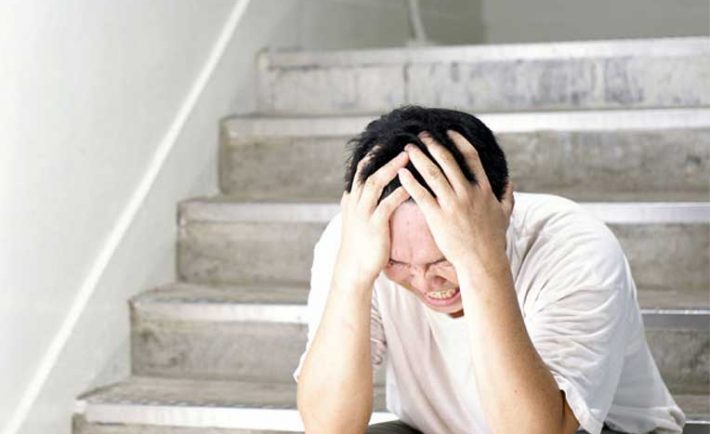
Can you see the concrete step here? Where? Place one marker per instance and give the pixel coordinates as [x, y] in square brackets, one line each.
[258, 332]
[653, 155]
[673, 72]
[247, 333]
[157, 406]
[160, 406]
[222, 241]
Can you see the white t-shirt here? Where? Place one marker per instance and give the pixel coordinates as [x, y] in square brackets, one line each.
[579, 305]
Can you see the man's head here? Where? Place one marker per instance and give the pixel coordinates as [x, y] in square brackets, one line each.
[416, 262]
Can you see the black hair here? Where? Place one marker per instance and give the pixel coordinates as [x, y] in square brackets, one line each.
[391, 132]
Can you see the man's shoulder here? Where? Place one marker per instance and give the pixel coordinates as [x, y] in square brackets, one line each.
[545, 202]
[538, 212]
[564, 236]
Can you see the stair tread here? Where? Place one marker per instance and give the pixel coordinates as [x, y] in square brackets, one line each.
[240, 128]
[183, 292]
[638, 47]
[650, 300]
[150, 391]
[224, 208]
[154, 392]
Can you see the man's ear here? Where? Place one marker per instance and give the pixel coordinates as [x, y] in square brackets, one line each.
[508, 200]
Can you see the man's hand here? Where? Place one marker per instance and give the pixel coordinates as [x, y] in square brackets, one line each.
[365, 239]
[469, 226]
[465, 219]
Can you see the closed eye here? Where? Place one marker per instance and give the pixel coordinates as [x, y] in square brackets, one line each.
[393, 262]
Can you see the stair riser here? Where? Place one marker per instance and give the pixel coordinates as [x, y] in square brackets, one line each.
[245, 351]
[593, 165]
[667, 255]
[245, 252]
[495, 86]
[257, 352]
[217, 350]
[682, 356]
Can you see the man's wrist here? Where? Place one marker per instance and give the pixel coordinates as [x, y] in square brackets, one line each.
[347, 277]
[475, 269]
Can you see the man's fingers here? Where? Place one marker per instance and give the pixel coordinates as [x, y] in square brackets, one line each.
[357, 185]
[376, 182]
[447, 162]
[420, 194]
[433, 176]
[344, 199]
[390, 203]
[471, 157]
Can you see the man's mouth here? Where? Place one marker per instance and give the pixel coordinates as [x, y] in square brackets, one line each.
[444, 297]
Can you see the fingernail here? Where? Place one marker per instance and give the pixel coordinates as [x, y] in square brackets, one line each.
[424, 135]
[409, 147]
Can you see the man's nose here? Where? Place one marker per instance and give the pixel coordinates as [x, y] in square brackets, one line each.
[420, 274]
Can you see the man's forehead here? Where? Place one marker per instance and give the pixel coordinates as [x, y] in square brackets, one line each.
[411, 238]
[408, 217]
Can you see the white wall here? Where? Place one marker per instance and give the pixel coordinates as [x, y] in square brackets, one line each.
[88, 91]
[567, 20]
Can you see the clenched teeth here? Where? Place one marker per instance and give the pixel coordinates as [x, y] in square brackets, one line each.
[442, 294]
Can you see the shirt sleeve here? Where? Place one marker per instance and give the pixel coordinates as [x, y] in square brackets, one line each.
[580, 320]
[324, 254]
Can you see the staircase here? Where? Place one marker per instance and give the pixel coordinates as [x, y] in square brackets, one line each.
[623, 127]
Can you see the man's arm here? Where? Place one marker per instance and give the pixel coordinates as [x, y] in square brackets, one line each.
[469, 225]
[516, 388]
[335, 385]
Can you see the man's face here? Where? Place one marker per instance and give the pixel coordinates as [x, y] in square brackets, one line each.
[417, 264]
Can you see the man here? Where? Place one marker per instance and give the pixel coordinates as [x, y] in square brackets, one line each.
[496, 312]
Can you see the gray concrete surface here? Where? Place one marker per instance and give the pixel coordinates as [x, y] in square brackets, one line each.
[490, 79]
[246, 252]
[616, 164]
[170, 339]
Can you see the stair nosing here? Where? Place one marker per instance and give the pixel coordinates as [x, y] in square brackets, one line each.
[202, 417]
[296, 311]
[216, 211]
[243, 128]
[646, 47]
[95, 408]
[166, 412]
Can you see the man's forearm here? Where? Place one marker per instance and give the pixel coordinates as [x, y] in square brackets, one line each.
[335, 386]
[516, 388]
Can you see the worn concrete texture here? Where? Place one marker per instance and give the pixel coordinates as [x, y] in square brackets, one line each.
[243, 252]
[283, 168]
[490, 86]
[174, 394]
[682, 356]
[659, 165]
[216, 350]
[667, 255]
[561, 84]
[327, 90]
[661, 255]
[269, 352]
[232, 350]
